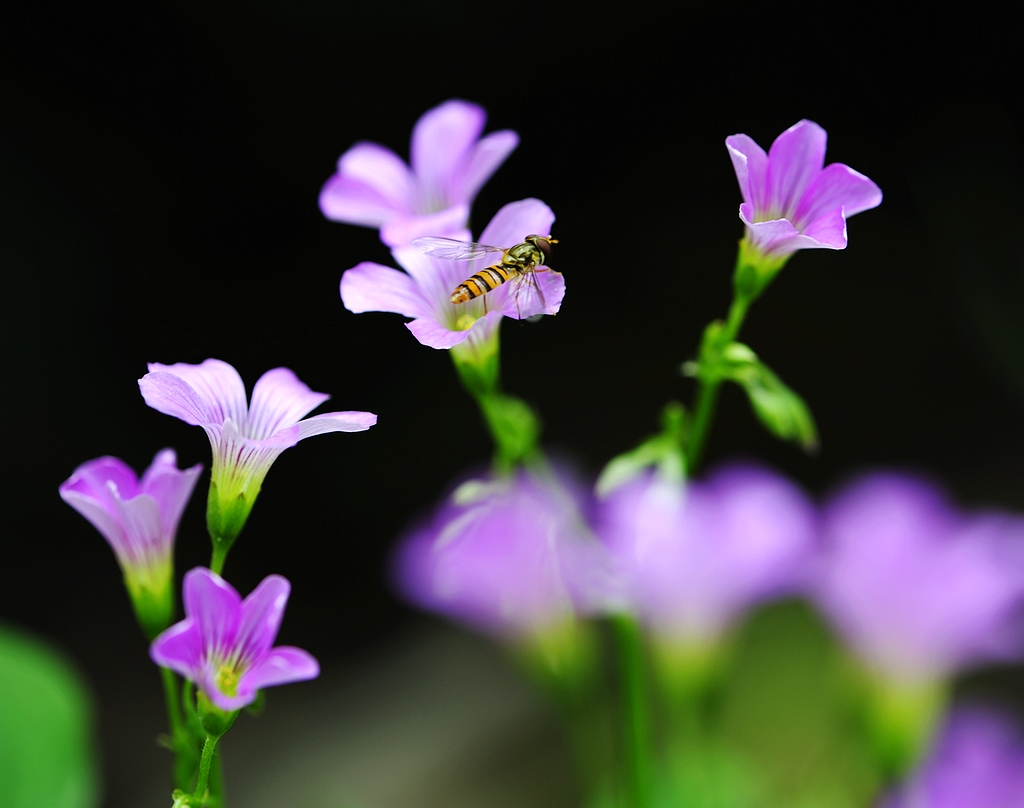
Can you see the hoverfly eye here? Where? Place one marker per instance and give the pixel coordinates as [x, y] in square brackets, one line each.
[544, 245]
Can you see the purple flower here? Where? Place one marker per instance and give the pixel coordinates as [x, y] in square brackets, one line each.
[450, 163]
[694, 556]
[978, 762]
[246, 438]
[223, 644]
[510, 556]
[790, 202]
[918, 589]
[139, 519]
[423, 292]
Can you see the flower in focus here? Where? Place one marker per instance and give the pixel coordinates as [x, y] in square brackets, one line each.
[978, 761]
[139, 519]
[510, 556]
[246, 438]
[224, 643]
[694, 556]
[791, 200]
[423, 292]
[917, 588]
[450, 163]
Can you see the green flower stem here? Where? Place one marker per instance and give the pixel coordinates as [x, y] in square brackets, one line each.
[715, 339]
[220, 554]
[181, 738]
[209, 745]
[636, 723]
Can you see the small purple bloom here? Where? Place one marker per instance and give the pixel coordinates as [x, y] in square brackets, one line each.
[450, 163]
[246, 438]
[138, 518]
[224, 643]
[510, 556]
[791, 200]
[917, 588]
[977, 762]
[694, 556]
[423, 292]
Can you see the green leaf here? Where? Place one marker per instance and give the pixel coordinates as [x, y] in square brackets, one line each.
[46, 756]
[780, 409]
[663, 450]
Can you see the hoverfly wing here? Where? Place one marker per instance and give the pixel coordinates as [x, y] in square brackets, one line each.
[528, 296]
[451, 248]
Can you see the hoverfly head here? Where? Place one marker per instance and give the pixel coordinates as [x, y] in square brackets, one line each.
[542, 243]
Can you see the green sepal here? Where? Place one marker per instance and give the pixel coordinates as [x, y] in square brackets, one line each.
[514, 426]
[225, 519]
[754, 271]
[214, 720]
[256, 708]
[779, 408]
[663, 451]
[154, 607]
[478, 365]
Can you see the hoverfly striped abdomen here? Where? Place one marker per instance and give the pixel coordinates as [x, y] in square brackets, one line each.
[486, 280]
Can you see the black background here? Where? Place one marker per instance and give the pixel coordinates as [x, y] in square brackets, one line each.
[159, 171]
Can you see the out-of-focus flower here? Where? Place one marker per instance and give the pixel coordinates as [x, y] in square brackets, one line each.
[511, 556]
[450, 163]
[246, 438]
[791, 200]
[917, 588]
[977, 762]
[139, 519]
[694, 556]
[423, 292]
[224, 643]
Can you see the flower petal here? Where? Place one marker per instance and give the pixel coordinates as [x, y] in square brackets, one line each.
[350, 421]
[441, 142]
[179, 648]
[208, 393]
[382, 170]
[91, 479]
[485, 159]
[828, 231]
[260, 621]
[279, 400]
[215, 607]
[434, 335]
[751, 166]
[794, 160]
[841, 188]
[539, 292]
[373, 287]
[104, 519]
[280, 666]
[517, 220]
[144, 537]
[436, 278]
[170, 487]
[344, 199]
[400, 230]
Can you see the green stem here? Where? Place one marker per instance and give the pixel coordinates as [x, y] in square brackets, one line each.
[209, 745]
[220, 554]
[707, 388]
[636, 724]
[184, 759]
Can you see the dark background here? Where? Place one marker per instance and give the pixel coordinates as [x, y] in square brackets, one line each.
[159, 171]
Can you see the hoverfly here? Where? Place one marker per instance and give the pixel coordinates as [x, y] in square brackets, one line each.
[519, 262]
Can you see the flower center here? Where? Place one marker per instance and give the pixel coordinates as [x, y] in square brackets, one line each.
[465, 322]
[227, 680]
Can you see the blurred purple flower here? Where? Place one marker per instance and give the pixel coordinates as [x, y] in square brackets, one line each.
[977, 762]
[139, 519]
[246, 439]
[224, 643]
[450, 163]
[790, 201]
[510, 556]
[424, 290]
[918, 589]
[694, 556]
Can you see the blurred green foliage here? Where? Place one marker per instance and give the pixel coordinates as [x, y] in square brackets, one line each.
[46, 756]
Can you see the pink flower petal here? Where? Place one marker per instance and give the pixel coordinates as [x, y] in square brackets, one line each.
[441, 142]
[751, 165]
[372, 287]
[403, 228]
[838, 187]
[279, 400]
[828, 230]
[794, 160]
[262, 611]
[517, 220]
[208, 393]
[538, 293]
[350, 421]
[485, 159]
[380, 169]
[101, 515]
[170, 487]
[214, 606]
[179, 648]
[280, 666]
[344, 199]
[434, 335]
